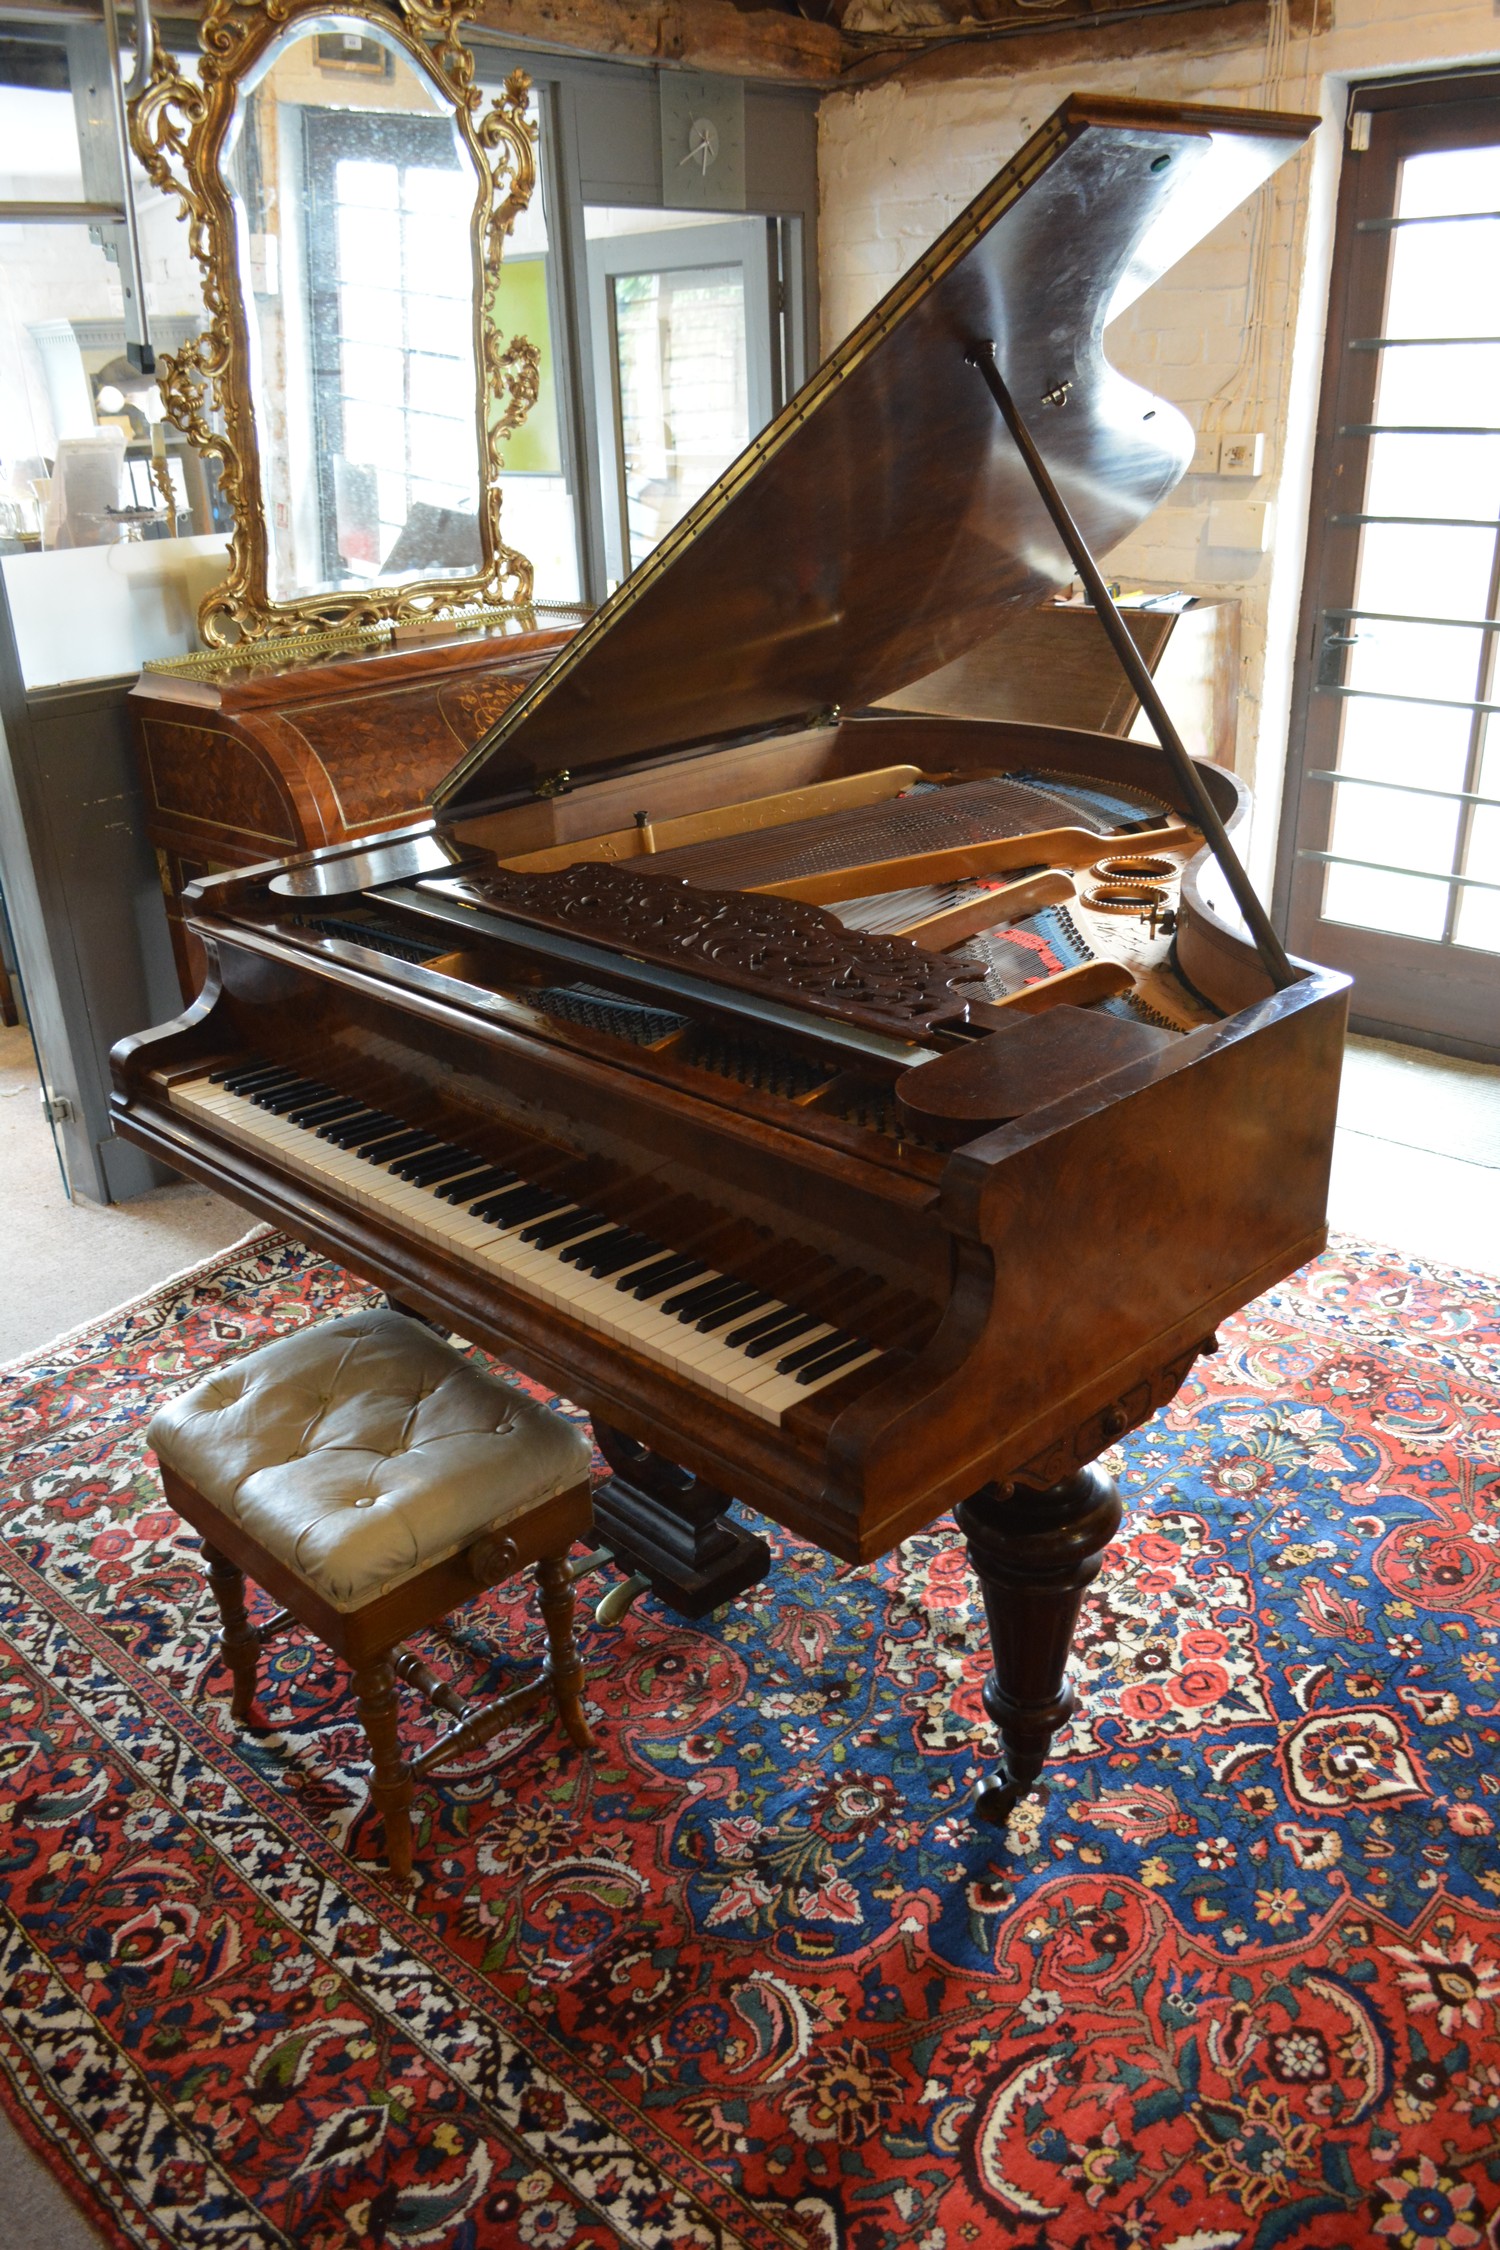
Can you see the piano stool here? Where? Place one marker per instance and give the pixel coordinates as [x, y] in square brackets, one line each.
[372, 1479]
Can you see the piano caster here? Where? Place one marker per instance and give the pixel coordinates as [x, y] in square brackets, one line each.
[995, 1800]
[672, 1530]
[1035, 1553]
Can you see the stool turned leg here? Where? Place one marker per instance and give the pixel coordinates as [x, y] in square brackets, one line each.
[564, 1667]
[239, 1643]
[390, 1781]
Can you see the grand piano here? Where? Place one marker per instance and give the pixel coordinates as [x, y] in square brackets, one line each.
[866, 1113]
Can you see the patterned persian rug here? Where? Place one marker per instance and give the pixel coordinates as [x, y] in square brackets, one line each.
[748, 1977]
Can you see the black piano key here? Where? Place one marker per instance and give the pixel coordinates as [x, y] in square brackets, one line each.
[608, 1255]
[729, 1308]
[384, 1142]
[238, 1079]
[438, 1164]
[466, 1185]
[651, 1280]
[744, 1300]
[546, 1234]
[687, 1304]
[408, 1144]
[516, 1205]
[323, 1111]
[279, 1099]
[855, 1349]
[781, 1332]
[345, 1132]
[583, 1254]
[764, 1324]
[794, 1362]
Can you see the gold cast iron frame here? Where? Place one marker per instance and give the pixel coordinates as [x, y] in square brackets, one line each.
[177, 129]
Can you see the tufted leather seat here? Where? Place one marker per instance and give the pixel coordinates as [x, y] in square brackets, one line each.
[360, 1452]
[372, 1479]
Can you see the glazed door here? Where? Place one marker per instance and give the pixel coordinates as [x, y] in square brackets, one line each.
[684, 353]
[1393, 871]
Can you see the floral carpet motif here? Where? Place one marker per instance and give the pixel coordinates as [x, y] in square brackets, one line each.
[748, 1977]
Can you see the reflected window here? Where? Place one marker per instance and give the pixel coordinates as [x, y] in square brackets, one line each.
[392, 344]
[679, 342]
[683, 353]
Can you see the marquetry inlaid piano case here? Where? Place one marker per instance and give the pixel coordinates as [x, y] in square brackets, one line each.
[246, 756]
[865, 1113]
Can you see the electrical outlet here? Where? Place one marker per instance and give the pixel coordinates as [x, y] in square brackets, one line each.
[1244, 455]
[1205, 461]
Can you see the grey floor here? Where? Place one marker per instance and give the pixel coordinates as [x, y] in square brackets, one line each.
[1416, 1165]
[1416, 1161]
[65, 1263]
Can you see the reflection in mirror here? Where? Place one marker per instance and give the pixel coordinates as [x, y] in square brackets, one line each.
[349, 193]
[354, 200]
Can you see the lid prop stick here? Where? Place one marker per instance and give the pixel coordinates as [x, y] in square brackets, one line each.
[1205, 813]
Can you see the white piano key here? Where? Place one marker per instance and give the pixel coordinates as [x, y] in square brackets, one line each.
[538, 1272]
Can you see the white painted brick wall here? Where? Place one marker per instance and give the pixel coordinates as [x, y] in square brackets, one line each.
[897, 163]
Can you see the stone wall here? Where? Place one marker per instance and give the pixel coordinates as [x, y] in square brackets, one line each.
[1233, 335]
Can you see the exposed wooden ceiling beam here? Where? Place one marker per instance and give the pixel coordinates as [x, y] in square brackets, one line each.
[1082, 33]
[967, 38]
[711, 35]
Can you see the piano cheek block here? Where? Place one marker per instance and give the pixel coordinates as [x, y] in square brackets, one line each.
[1037, 1060]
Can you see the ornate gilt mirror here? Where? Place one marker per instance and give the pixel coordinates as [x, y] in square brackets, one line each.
[348, 196]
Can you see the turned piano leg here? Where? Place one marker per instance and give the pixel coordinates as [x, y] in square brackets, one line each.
[672, 1528]
[1035, 1553]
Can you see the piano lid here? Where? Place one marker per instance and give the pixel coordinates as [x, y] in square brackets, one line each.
[883, 523]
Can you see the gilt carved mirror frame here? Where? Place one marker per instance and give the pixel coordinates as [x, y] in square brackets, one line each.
[180, 126]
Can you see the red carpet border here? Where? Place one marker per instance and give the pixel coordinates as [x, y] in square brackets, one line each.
[749, 1977]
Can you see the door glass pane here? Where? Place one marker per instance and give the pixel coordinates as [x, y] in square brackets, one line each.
[1421, 571]
[1402, 904]
[1440, 383]
[679, 343]
[1387, 824]
[1394, 742]
[1434, 476]
[1435, 660]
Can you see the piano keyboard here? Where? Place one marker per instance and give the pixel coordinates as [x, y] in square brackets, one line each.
[738, 1341]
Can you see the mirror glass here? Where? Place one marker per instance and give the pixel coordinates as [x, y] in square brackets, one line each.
[354, 199]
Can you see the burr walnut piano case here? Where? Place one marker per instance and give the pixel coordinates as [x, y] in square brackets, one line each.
[777, 1074]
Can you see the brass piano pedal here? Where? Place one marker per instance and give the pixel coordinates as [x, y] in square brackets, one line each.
[621, 1599]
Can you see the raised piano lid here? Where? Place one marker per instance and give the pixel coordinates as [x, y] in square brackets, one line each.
[883, 524]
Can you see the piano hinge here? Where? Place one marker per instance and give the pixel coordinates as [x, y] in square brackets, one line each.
[553, 784]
